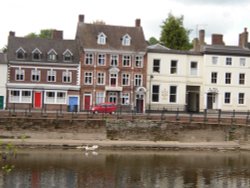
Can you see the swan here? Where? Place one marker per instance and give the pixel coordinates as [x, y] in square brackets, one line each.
[88, 148]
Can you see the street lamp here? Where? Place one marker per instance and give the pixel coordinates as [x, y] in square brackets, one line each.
[150, 97]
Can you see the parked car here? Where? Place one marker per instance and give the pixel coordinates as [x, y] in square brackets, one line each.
[104, 108]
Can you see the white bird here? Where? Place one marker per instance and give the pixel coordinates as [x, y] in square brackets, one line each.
[88, 148]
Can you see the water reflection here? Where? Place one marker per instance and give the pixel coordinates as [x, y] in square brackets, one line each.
[70, 168]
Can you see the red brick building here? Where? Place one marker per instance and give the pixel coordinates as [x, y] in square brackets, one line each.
[43, 73]
[113, 65]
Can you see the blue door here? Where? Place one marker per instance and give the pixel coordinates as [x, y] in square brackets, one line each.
[1, 102]
[73, 104]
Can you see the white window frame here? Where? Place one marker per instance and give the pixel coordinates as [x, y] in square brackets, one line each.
[155, 94]
[242, 62]
[126, 60]
[21, 97]
[67, 76]
[114, 60]
[19, 74]
[228, 77]
[100, 78]
[22, 52]
[139, 61]
[171, 94]
[214, 77]
[215, 60]
[242, 79]
[56, 98]
[241, 98]
[51, 75]
[101, 60]
[194, 69]
[125, 99]
[227, 99]
[89, 59]
[173, 68]
[125, 79]
[35, 75]
[156, 68]
[229, 61]
[52, 55]
[126, 40]
[88, 78]
[36, 55]
[113, 76]
[138, 80]
[101, 39]
[100, 97]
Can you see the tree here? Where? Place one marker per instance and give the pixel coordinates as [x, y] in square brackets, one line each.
[44, 33]
[152, 41]
[174, 35]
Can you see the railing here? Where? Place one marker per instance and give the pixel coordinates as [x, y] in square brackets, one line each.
[125, 112]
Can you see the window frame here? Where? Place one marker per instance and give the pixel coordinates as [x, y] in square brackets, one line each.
[156, 68]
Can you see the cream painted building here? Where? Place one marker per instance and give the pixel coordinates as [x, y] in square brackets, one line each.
[227, 71]
[3, 80]
[174, 79]
[213, 77]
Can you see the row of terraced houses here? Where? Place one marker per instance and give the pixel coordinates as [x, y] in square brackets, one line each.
[106, 63]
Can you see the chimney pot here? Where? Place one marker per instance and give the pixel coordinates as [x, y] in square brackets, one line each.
[202, 37]
[12, 33]
[56, 34]
[217, 39]
[81, 18]
[243, 38]
[138, 23]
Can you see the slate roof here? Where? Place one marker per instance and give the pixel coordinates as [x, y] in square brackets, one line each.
[88, 33]
[44, 45]
[225, 50]
[158, 48]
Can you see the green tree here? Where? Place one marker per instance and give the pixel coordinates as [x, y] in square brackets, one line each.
[174, 35]
[152, 41]
[44, 33]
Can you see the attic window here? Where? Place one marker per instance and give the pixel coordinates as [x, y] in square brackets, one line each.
[67, 56]
[52, 55]
[126, 40]
[20, 53]
[36, 54]
[101, 39]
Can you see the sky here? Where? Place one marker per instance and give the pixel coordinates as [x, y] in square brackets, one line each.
[227, 17]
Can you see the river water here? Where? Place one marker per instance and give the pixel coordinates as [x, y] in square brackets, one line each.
[128, 169]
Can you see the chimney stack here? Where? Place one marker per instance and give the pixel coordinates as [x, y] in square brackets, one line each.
[243, 38]
[202, 37]
[56, 34]
[81, 18]
[12, 33]
[217, 39]
[138, 23]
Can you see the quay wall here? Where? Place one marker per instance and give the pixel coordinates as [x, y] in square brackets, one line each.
[122, 129]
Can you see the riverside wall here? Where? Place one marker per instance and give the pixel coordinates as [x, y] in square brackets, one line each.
[122, 129]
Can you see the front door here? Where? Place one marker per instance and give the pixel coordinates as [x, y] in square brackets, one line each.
[87, 102]
[73, 104]
[38, 99]
[1, 102]
[210, 99]
[139, 105]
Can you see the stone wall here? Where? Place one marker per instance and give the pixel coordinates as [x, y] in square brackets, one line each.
[170, 131]
[121, 129]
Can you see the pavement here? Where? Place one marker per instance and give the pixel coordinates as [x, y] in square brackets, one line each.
[127, 144]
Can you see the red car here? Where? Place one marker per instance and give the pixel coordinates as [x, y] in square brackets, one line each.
[104, 108]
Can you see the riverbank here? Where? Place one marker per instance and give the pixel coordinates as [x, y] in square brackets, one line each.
[126, 145]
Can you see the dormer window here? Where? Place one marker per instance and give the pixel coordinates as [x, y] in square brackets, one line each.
[52, 55]
[36, 54]
[101, 39]
[67, 56]
[126, 40]
[20, 53]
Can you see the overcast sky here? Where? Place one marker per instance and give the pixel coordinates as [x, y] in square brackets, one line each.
[227, 17]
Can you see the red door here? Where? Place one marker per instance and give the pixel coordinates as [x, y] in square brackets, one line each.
[87, 102]
[38, 99]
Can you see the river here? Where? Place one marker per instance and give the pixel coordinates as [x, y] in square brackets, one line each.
[128, 169]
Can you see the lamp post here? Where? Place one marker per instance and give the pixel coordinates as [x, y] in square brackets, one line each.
[150, 97]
